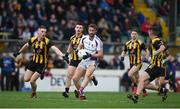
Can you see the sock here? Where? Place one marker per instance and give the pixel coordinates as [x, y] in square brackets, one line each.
[135, 85]
[92, 78]
[136, 96]
[144, 90]
[162, 85]
[81, 91]
[67, 90]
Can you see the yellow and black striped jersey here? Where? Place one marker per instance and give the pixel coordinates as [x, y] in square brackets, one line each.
[134, 49]
[40, 49]
[155, 45]
[74, 41]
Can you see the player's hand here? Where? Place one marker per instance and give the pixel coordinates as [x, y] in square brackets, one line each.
[155, 53]
[67, 54]
[66, 59]
[87, 55]
[16, 54]
[121, 58]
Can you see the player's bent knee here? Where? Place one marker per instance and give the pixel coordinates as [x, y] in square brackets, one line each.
[70, 76]
[75, 79]
[32, 82]
[26, 79]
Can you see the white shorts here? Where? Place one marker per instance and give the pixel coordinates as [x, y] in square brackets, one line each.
[86, 63]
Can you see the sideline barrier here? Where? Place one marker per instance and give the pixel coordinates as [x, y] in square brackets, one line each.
[108, 81]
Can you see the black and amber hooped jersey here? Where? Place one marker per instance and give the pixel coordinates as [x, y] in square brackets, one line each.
[134, 49]
[155, 45]
[75, 40]
[40, 49]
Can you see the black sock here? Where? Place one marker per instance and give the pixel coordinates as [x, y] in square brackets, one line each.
[67, 90]
[93, 78]
[135, 85]
[136, 96]
[162, 85]
[144, 90]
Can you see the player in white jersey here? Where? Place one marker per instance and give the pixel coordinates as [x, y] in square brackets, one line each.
[94, 48]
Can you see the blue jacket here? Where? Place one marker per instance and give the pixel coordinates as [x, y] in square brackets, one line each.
[7, 65]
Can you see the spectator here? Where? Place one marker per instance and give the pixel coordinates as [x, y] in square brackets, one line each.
[116, 34]
[53, 20]
[7, 69]
[145, 26]
[83, 15]
[44, 21]
[26, 35]
[163, 8]
[115, 63]
[51, 33]
[102, 64]
[104, 5]
[158, 27]
[15, 75]
[39, 13]
[60, 13]
[72, 13]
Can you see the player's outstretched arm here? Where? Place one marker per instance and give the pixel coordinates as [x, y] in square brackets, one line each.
[122, 56]
[25, 46]
[57, 51]
[69, 49]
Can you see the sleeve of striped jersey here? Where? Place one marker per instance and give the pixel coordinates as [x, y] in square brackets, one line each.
[30, 42]
[71, 38]
[125, 47]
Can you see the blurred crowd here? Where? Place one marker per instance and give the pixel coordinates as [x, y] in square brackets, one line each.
[115, 18]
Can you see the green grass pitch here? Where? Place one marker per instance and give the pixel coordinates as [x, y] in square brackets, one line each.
[94, 100]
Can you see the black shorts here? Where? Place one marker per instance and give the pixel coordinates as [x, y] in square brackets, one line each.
[74, 62]
[35, 67]
[137, 65]
[155, 72]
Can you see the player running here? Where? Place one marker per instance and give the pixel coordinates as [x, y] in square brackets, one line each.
[155, 69]
[40, 45]
[94, 47]
[74, 60]
[134, 48]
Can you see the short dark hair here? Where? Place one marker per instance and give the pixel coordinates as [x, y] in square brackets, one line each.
[93, 26]
[154, 30]
[42, 26]
[134, 30]
[79, 23]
